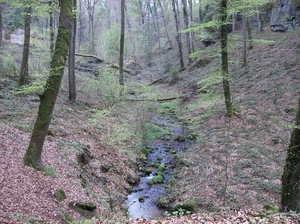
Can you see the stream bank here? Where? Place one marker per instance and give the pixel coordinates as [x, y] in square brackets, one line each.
[142, 202]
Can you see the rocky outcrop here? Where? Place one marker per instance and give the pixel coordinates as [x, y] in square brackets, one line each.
[285, 15]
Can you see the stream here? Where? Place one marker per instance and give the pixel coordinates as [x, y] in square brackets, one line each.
[142, 202]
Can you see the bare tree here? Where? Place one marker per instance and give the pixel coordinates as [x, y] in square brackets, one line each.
[178, 35]
[122, 35]
[71, 67]
[165, 22]
[244, 39]
[26, 45]
[186, 24]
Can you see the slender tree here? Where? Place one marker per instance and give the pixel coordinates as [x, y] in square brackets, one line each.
[122, 35]
[178, 35]
[71, 67]
[51, 25]
[244, 39]
[47, 99]
[290, 190]
[186, 24]
[26, 44]
[165, 22]
[1, 30]
[224, 57]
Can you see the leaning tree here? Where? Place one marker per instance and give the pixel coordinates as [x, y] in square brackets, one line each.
[47, 99]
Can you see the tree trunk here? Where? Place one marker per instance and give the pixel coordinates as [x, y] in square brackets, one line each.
[80, 28]
[178, 36]
[186, 24]
[200, 12]
[51, 25]
[224, 34]
[250, 40]
[244, 39]
[71, 67]
[290, 191]
[191, 21]
[1, 30]
[47, 99]
[259, 20]
[233, 21]
[121, 55]
[165, 23]
[26, 45]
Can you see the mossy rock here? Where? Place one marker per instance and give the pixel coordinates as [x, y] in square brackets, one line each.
[158, 179]
[188, 205]
[161, 167]
[141, 199]
[87, 209]
[60, 195]
[150, 182]
[192, 136]
[132, 179]
[180, 138]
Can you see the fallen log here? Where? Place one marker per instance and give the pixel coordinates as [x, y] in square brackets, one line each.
[99, 60]
[159, 99]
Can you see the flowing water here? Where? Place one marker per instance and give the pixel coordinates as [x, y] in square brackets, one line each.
[142, 202]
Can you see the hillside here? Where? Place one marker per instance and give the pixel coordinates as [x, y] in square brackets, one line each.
[232, 171]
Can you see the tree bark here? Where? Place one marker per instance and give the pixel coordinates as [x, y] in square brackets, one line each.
[186, 24]
[249, 31]
[1, 30]
[122, 35]
[244, 39]
[71, 67]
[47, 99]
[191, 21]
[290, 191]
[26, 45]
[178, 35]
[224, 58]
[51, 25]
[259, 20]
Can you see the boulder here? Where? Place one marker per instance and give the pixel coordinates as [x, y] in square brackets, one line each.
[285, 15]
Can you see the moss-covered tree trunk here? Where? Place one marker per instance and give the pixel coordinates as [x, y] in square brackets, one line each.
[290, 191]
[47, 99]
[122, 35]
[225, 73]
[26, 45]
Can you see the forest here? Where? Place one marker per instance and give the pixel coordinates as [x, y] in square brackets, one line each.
[149, 111]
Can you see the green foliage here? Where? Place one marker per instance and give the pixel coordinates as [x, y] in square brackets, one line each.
[7, 65]
[32, 219]
[115, 131]
[105, 87]
[170, 108]
[50, 171]
[111, 42]
[158, 179]
[36, 87]
[184, 208]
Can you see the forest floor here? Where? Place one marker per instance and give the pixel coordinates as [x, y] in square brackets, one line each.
[92, 150]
